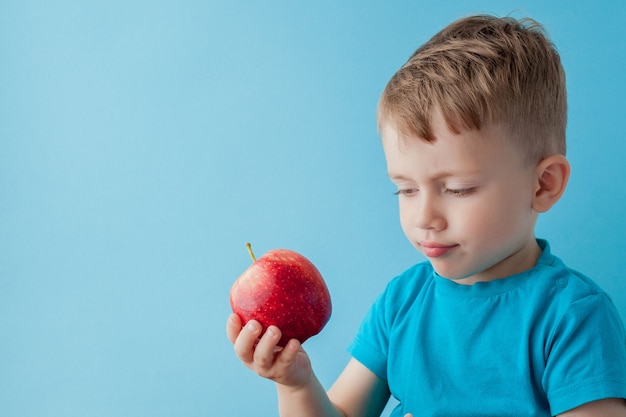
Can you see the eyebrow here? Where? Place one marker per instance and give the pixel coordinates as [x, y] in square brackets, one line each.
[438, 176]
[397, 177]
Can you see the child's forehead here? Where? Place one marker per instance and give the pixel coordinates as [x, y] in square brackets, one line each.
[467, 150]
[489, 132]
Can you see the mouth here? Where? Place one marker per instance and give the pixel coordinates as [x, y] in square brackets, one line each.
[435, 250]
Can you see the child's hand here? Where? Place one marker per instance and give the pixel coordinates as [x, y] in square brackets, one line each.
[288, 366]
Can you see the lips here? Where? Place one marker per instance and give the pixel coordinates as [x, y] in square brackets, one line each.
[435, 250]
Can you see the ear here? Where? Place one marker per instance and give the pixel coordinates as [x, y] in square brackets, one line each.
[551, 180]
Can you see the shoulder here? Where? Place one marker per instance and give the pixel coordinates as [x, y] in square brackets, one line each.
[405, 293]
[576, 298]
[400, 297]
[584, 353]
[411, 282]
[572, 300]
[563, 285]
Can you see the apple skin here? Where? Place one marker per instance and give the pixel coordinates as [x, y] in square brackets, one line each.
[284, 289]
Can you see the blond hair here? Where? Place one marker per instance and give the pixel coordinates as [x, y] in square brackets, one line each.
[483, 69]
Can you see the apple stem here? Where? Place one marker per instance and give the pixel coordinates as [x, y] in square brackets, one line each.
[249, 246]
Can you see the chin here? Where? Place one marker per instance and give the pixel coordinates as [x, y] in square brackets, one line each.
[451, 275]
[460, 277]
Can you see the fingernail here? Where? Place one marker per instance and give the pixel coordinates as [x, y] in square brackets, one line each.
[252, 327]
[273, 333]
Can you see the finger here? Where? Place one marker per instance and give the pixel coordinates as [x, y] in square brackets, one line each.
[264, 353]
[244, 344]
[289, 353]
[233, 327]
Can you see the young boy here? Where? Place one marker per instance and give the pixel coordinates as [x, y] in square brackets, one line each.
[473, 130]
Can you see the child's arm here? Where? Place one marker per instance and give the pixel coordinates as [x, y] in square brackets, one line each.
[610, 407]
[357, 392]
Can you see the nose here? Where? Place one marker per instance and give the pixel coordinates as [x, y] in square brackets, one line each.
[427, 214]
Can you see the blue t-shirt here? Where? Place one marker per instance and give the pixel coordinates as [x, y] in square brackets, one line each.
[537, 343]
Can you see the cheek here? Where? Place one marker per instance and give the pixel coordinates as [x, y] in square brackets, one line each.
[480, 220]
[499, 217]
[404, 218]
[406, 222]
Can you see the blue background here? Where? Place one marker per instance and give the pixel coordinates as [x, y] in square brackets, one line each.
[142, 143]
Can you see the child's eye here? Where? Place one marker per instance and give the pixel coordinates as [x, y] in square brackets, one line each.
[461, 192]
[406, 192]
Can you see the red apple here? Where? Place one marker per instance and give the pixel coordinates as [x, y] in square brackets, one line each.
[282, 288]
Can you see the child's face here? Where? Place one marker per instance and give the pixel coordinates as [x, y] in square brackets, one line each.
[465, 201]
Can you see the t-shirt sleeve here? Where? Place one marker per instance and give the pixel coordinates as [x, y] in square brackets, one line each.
[370, 345]
[586, 355]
